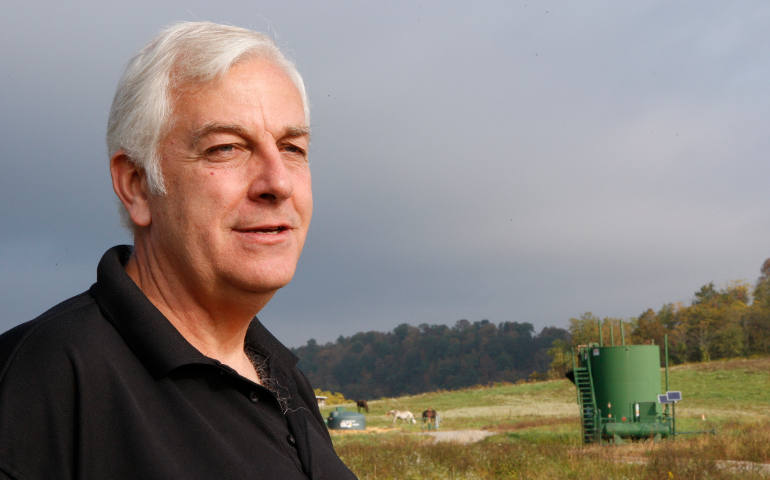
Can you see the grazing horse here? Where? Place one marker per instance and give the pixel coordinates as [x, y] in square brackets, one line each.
[362, 404]
[429, 417]
[404, 415]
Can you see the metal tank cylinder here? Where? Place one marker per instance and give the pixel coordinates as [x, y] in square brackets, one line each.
[626, 381]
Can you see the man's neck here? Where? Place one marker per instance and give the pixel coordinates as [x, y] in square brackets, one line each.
[216, 329]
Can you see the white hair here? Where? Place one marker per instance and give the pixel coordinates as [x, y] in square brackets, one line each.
[182, 53]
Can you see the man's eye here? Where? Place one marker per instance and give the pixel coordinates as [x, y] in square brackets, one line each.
[221, 149]
[291, 148]
[223, 152]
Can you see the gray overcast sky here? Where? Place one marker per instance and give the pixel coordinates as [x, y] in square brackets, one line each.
[515, 160]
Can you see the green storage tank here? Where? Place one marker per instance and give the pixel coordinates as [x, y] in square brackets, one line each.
[341, 419]
[627, 381]
[618, 393]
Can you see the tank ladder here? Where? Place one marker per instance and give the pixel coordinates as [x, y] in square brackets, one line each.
[589, 414]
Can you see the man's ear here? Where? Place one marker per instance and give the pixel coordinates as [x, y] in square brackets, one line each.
[130, 184]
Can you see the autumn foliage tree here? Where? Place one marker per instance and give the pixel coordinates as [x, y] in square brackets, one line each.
[756, 324]
[711, 327]
[719, 323]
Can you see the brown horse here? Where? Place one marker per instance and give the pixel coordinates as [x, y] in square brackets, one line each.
[429, 417]
[362, 404]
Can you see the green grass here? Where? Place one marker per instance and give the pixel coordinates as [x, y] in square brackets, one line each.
[740, 383]
[537, 432]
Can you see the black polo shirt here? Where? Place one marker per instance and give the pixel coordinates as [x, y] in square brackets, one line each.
[102, 386]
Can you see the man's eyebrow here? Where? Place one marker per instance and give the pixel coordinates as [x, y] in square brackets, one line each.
[294, 132]
[210, 128]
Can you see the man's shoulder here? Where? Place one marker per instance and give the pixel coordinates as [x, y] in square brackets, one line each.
[39, 385]
[66, 326]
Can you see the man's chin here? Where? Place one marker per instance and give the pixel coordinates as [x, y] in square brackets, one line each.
[264, 284]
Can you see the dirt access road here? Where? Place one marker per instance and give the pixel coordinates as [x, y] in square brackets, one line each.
[459, 436]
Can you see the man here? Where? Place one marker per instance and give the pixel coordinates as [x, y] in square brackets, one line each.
[161, 369]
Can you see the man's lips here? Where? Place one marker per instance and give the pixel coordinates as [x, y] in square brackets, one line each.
[264, 229]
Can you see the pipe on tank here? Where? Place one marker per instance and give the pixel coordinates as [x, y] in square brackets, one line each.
[673, 406]
[612, 333]
[622, 334]
[601, 332]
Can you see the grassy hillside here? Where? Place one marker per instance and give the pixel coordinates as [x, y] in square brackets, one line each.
[536, 432]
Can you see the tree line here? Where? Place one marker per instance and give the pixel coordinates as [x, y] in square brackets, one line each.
[718, 323]
[412, 359]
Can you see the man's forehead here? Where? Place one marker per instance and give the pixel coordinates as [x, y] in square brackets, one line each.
[255, 89]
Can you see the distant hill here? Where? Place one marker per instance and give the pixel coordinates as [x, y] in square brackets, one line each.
[418, 359]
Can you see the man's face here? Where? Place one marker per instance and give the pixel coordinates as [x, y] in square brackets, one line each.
[238, 201]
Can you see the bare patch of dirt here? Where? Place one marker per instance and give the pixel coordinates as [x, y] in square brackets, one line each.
[367, 430]
[459, 436]
[741, 467]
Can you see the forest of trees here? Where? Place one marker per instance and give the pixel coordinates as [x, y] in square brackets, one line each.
[719, 323]
[428, 357]
[733, 321]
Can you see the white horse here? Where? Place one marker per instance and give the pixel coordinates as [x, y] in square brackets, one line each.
[404, 415]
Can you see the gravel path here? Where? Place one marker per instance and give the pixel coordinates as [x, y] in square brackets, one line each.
[460, 436]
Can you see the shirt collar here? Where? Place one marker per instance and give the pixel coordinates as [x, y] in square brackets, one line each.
[259, 338]
[148, 333]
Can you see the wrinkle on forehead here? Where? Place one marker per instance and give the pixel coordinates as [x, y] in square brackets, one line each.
[242, 92]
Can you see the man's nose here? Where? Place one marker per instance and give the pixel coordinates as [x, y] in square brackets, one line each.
[271, 178]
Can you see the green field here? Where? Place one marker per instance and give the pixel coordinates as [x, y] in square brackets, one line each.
[535, 432]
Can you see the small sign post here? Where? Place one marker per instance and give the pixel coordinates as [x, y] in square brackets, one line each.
[671, 397]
